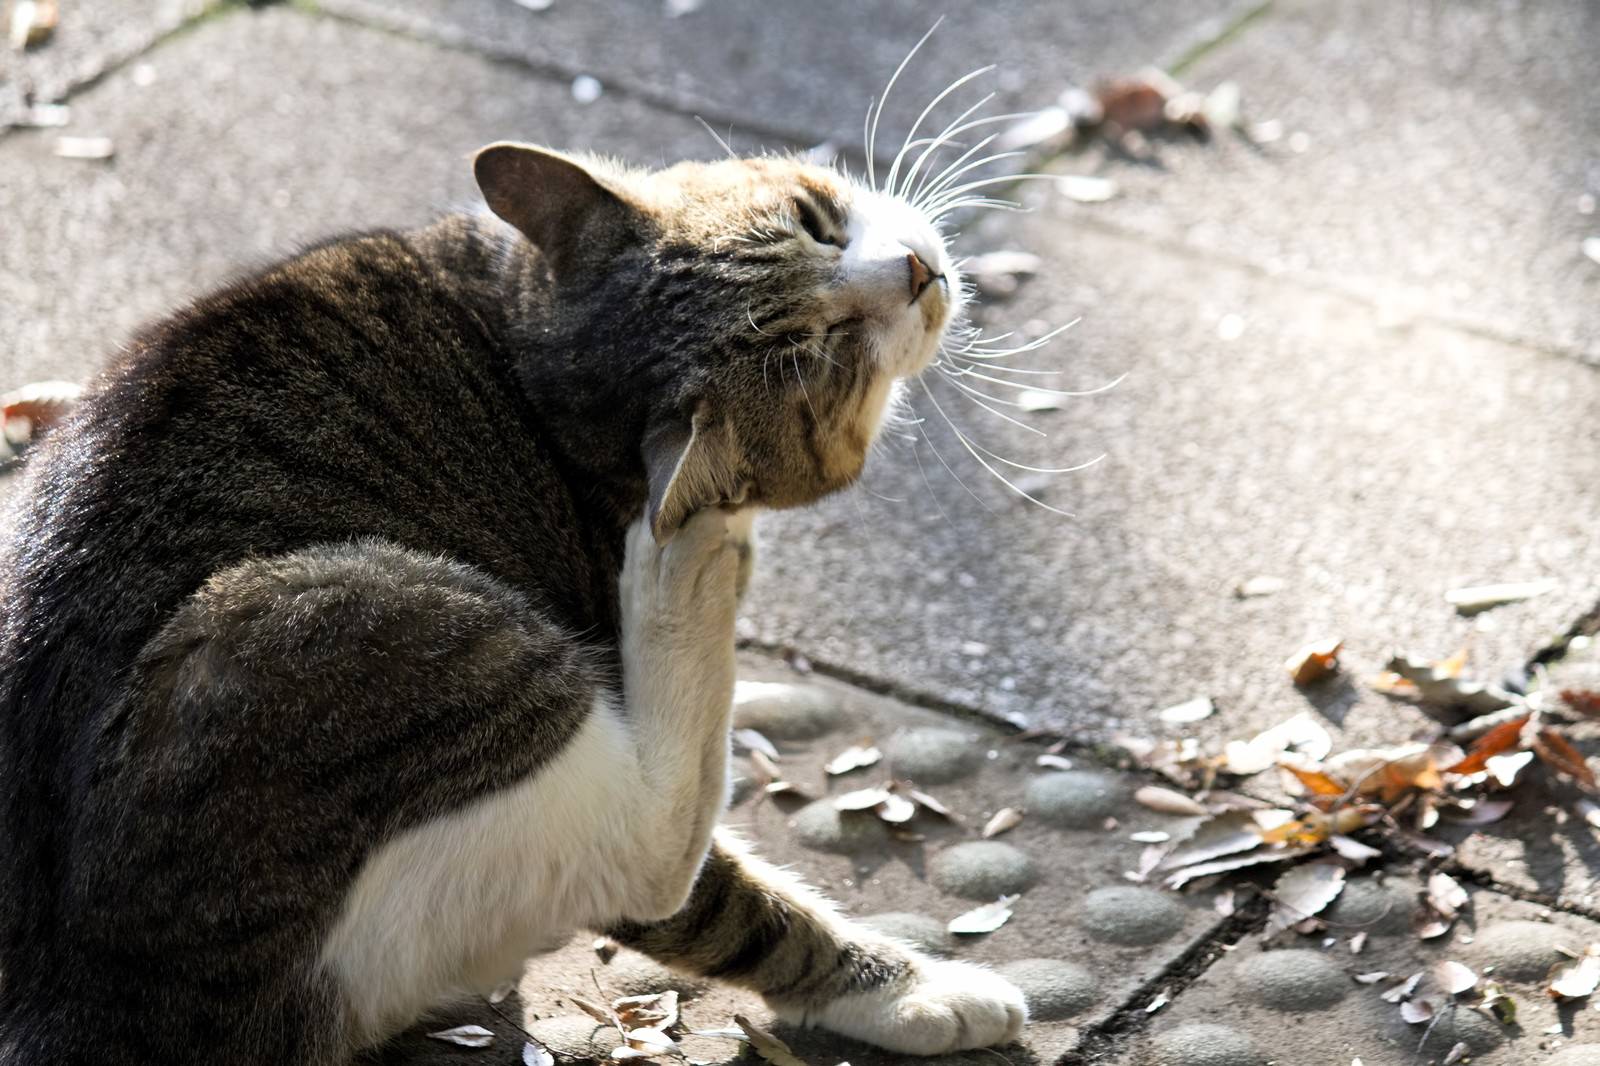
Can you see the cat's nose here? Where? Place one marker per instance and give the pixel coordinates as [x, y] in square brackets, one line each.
[922, 275]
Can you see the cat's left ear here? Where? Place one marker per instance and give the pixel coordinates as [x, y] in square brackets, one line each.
[690, 468]
[555, 200]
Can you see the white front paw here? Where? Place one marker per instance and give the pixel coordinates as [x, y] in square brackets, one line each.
[939, 1007]
[686, 582]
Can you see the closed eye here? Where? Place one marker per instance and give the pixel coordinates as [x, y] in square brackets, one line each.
[812, 222]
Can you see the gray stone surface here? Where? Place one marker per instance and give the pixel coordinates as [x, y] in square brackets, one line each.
[1293, 980]
[1077, 799]
[1577, 1055]
[783, 711]
[934, 756]
[1520, 950]
[1054, 989]
[811, 68]
[1203, 1045]
[822, 827]
[1374, 905]
[984, 870]
[574, 1035]
[924, 932]
[1125, 914]
[1446, 149]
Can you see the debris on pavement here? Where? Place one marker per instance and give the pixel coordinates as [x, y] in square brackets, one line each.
[1314, 661]
[85, 147]
[1478, 598]
[1256, 587]
[856, 757]
[465, 1036]
[984, 919]
[1004, 820]
[1194, 710]
[32, 23]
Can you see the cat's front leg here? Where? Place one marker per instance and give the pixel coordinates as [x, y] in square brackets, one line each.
[756, 926]
[678, 603]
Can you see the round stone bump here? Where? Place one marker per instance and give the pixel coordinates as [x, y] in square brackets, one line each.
[982, 870]
[918, 930]
[575, 1036]
[1461, 1026]
[1076, 799]
[1374, 906]
[1130, 915]
[1205, 1045]
[1294, 980]
[782, 711]
[1521, 950]
[934, 756]
[1577, 1055]
[1053, 989]
[820, 827]
[633, 974]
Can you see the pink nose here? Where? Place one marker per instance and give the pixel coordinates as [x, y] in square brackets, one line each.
[921, 274]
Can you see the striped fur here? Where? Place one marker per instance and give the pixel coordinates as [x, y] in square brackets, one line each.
[328, 652]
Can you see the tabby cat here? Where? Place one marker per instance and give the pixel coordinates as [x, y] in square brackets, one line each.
[369, 626]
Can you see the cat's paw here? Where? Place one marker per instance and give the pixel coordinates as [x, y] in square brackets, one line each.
[936, 1007]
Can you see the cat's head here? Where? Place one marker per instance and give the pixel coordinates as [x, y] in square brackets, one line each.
[766, 309]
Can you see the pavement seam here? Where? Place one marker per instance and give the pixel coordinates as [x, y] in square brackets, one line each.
[212, 10]
[1216, 34]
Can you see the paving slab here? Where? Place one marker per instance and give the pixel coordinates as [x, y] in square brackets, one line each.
[253, 133]
[1371, 467]
[91, 37]
[809, 69]
[1442, 159]
[1295, 999]
[1082, 940]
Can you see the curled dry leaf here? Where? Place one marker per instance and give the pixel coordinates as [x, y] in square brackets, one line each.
[929, 803]
[984, 919]
[536, 1054]
[1442, 901]
[1439, 684]
[1576, 978]
[1302, 892]
[766, 1045]
[465, 1036]
[1302, 734]
[1168, 801]
[1314, 660]
[1195, 710]
[658, 1011]
[1179, 878]
[855, 757]
[1402, 990]
[1453, 977]
[1371, 978]
[1502, 738]
[1161, 1000]
[1387, 774]
[28, 411]
[1558, 753]
[1417, 1011]
[1004, 820]
[896, 809]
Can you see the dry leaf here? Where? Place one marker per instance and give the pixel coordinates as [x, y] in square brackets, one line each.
[1497, 741]
[1195, 710]
[1302, 733]
[1390, 773]
[766, 1045]
[26, 412]
[1004, 820]
[84, 147]
[1584, 701]
[855, 757]
[1354, 850]
[1053, 762]
[658, 1011]
[465, 1036]
[1442, 901]
[1161, 1000]
[1315, 660]
[927, 802]
[1223, 903]
[1576, 978]
[500, 992]
[1503, 769]
[1479, 811]
[1150, 836]
[1254, 587]
[1559, 754]
[1371, 978]
[1138, 103]
[999, 273]
[1302, 892]
[1417, 1011]
[1358, 942]
[1167, 801]
[766, 770]
[753, 740]
[32, 23]
[896, 809]
[984, 919]
[1403, 989]
[1453, 977]
[1478, 598]
[1312, 779]
[862, 799]
[1499, 1005]
[1179, 878]
[1458, 1052]
[535, 1054]
[1224, 834]
[1438, 684]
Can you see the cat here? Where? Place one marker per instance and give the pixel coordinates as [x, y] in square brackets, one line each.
[370, 624]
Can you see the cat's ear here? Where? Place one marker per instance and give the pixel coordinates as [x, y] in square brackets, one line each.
[690, 467]
[551, 198]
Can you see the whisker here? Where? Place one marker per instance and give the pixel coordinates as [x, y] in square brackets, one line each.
[726, 147]
[928, 191]
[924, 430]
[953, 130]
[949, 174]
[1038, 469]
[998, 179]
[973, 395]
[983, 462]
[894, 168]
[872, 134]
[1053, 392]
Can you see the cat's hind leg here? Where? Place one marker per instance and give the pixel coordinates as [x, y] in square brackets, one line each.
[753, 925]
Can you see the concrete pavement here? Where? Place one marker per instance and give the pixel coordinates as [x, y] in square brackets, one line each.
[1359, 363]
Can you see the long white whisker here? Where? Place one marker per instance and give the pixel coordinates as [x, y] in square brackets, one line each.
[938, 186]
[715, 136]
[931, 188]
[894, 168]
[1038, 469]
[953, 130]
[947, 467]
[998, 179]
[973, 395]
[983, 462]
[872, 134]
[1019, 386]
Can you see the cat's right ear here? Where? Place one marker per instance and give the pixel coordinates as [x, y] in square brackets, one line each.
[551, 198]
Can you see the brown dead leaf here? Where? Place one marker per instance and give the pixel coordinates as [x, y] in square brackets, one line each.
[1312, 779]
[1584, 701]
[1497, 741]
[1559, 754]
[26, 412]
[1004, 820]
[32, 23]
[1138, 103]
[1388, 774]
[1439, 684]
[1315, 660]
[658, 1011]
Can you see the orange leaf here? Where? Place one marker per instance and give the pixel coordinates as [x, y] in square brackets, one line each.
[1584, 701]
[1317, 782]
[1496, 741]
[1563, 758]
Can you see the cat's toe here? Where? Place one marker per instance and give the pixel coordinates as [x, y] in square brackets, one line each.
[941, 1007]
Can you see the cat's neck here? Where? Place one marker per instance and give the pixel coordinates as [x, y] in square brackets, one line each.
[578, 398]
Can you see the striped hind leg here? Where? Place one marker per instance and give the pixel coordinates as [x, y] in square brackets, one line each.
[753, 925]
